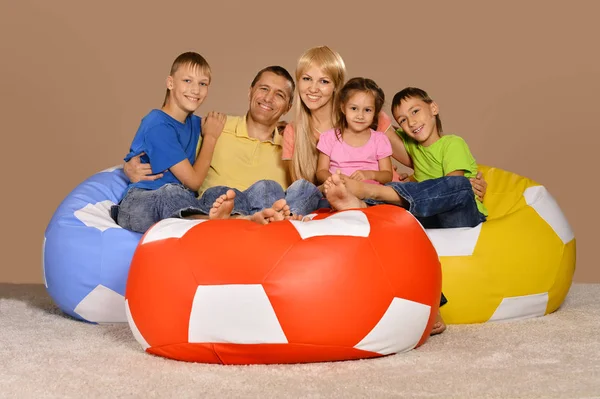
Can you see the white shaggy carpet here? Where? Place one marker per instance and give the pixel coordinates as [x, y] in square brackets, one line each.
[44, 354]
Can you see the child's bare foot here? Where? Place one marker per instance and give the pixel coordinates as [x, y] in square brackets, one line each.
[439, 326]
[275, 213]
[282, 210]
[222, 207]
[338, 195]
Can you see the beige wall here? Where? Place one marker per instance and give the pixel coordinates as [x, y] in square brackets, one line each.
[518, 80]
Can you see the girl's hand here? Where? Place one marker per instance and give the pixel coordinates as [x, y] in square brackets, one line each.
[361, 175]
[213, 124]
[137, 171]
[479, 186]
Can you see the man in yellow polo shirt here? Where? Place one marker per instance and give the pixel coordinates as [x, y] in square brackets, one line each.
[247, 155]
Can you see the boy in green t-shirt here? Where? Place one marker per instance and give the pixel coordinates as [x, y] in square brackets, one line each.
[442, 196]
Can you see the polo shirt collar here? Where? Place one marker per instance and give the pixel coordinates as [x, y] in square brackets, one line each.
[241, 130]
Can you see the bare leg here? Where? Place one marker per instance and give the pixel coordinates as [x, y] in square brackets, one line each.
[439, 326]
[338, 195]
[222, 207]
[374, 191]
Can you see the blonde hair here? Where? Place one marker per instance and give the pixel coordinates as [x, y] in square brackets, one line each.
[304, 158]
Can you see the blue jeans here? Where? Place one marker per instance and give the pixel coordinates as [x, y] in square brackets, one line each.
[445, 202]
[302, 197]
[141, 208]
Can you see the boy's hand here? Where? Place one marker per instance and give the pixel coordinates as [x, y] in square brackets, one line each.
[137, 171]
[213, 124]
[361, 175]
[479, 186]
[402, 177]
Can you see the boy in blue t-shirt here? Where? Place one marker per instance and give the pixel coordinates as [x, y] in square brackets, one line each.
[168, 139]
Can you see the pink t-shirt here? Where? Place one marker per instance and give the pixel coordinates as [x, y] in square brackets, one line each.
[383, 124]
[349, 159]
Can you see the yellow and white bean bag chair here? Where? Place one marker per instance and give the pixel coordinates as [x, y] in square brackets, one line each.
[518, 264]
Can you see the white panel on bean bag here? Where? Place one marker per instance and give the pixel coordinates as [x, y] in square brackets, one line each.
[454, 242]
[521, 307]
[134, 329]
[102, 305]
[399, 330]
[97, 215]
[234, 313]
[546, 206]
[112, 169]
[346, 223]
[170, 228]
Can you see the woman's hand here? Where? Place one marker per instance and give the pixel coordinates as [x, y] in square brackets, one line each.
[479, 186]
[137, 171]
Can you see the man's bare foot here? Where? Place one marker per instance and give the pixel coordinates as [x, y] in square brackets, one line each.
[282, 210]
[338, 195]
[439, 326]
[273, 214]
[222, 207]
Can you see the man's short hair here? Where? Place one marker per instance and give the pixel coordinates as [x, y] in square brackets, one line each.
[277, 70]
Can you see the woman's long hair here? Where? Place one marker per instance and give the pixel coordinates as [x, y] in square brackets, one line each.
[304, 158]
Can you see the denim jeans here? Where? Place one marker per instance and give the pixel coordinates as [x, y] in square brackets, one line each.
[302, 197]
[445, 202]
[141, 208]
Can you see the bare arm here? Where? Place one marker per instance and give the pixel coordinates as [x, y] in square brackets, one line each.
[456, 173]
[383, 175]
[323, 168]
[398, 150]
[193, 176]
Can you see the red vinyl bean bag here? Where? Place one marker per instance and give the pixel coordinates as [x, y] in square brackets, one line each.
[346, 285]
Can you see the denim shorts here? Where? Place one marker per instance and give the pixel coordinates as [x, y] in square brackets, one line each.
[141, 208]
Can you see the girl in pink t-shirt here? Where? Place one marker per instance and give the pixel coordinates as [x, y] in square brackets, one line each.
[353, 147]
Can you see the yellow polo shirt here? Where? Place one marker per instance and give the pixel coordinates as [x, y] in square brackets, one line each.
[239, 160]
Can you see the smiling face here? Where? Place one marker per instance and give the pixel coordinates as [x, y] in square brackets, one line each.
[188, 88]
[315, 88]
[418, 120]
[359, 111]
[270, 98]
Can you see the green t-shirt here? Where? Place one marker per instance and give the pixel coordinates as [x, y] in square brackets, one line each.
[446, 155]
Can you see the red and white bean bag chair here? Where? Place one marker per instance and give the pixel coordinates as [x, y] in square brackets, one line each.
[346, 285]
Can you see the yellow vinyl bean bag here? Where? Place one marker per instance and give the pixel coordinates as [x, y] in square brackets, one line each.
[518, 264]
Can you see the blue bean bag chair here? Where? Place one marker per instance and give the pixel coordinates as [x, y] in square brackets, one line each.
[86, 255]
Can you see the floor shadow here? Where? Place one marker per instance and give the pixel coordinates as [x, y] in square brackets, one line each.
[34, 295]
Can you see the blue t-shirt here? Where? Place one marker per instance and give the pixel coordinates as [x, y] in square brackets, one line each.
[166, 142]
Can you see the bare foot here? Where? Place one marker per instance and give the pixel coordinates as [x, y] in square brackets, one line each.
[338, 195]
[282, 210]
[222, 207]
[439, 326]
[273, 214]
